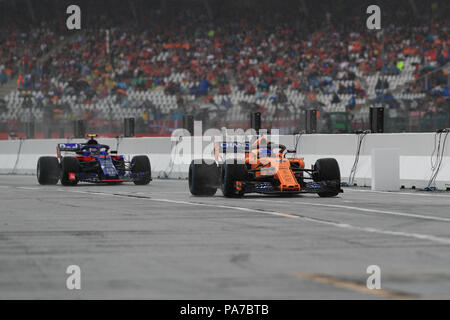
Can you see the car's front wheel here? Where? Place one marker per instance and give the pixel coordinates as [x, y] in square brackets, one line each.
[140, 166]
[230, 174]
[203, 178]
[70, 168]
[328, 170]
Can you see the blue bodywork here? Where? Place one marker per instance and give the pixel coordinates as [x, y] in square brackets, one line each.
[102, 160]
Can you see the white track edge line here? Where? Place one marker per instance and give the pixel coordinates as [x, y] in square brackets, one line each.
[393, 213]
[287, 215]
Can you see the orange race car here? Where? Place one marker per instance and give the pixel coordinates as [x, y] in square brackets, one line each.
[262, 167]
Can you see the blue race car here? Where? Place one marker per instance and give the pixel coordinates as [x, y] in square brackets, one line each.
[92, 162]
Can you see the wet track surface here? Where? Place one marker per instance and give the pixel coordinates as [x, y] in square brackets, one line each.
[158, 241]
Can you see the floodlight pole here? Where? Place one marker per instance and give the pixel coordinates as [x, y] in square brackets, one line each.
[31, 11]
[414, 7]
[304, 7]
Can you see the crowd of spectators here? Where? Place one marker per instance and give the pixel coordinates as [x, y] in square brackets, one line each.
[252, 47]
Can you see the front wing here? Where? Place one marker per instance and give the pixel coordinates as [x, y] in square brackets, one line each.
[94, 177]
[307, 187]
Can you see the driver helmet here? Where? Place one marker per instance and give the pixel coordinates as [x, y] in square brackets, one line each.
[92, 140]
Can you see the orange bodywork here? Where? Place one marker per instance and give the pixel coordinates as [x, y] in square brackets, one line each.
[277, 166]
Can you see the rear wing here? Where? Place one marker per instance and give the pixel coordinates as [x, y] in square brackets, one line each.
[222, 148]
[73, 147]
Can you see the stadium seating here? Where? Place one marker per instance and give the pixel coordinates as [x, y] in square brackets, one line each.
[279, 67]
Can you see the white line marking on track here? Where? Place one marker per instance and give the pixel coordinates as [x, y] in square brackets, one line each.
[426, 237]
[393, 213]
[394, 193]
[28, 188]
[309, 219]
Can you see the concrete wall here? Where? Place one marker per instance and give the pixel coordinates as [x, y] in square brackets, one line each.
[415, 154]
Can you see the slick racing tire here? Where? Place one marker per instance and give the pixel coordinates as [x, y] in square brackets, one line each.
[328, 170]
[47, 170]
[203, 178]
[69, 165]
[141, 164]
[230, 173]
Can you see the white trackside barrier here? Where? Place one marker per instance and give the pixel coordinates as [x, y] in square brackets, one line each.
[385, 170]
[414, 152]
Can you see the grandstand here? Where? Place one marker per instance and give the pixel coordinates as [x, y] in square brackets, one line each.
[219, 60]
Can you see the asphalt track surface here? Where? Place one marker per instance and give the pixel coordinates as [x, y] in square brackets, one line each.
[159, 242]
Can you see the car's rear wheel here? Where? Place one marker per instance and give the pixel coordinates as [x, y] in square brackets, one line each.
[328, 170]
[47, 170]
[140, 165]
[70, 168]
[203, 178]
[230, 173]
